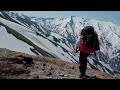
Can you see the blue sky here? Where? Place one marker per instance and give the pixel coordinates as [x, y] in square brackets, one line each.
[110, 16]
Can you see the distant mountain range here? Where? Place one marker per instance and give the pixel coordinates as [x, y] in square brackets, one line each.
[56, 38]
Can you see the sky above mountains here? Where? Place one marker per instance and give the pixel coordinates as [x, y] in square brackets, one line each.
[109, 16]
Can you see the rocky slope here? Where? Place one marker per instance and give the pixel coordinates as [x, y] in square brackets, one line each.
[56, 38]
[17, 65]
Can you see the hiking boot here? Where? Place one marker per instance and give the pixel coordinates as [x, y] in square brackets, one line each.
[86, 76]
[82, 77]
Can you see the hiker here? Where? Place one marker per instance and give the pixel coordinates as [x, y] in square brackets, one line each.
[86, 44]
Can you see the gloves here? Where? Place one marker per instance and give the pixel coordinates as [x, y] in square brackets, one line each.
[93, 54]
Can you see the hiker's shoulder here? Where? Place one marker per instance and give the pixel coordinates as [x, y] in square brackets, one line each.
[78, 38]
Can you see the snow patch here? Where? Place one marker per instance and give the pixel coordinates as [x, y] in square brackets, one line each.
[10, 42]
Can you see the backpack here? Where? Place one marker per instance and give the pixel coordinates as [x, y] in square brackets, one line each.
[90, 38]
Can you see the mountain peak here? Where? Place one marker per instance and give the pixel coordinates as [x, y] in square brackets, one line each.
[40, 36]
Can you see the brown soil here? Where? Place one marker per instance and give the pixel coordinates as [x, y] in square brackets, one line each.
[13, 65]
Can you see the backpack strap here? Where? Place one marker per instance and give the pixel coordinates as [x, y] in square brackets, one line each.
[95, 39]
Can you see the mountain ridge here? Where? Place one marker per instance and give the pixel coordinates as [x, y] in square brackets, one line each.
[61, 34]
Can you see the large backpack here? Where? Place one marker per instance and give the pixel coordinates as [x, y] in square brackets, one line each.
[90, 38]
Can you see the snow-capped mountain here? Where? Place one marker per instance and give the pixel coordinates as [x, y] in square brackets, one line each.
[56, 38]
[109, 36]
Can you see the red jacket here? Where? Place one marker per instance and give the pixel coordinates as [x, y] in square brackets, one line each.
[82, 47]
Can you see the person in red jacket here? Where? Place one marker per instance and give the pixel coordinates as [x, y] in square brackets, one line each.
[86, 47]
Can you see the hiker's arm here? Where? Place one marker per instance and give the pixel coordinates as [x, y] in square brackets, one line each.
[77, 45]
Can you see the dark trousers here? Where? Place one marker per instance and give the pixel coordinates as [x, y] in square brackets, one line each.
[83, 63]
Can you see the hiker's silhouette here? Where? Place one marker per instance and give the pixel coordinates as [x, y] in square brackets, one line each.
[87, 43]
